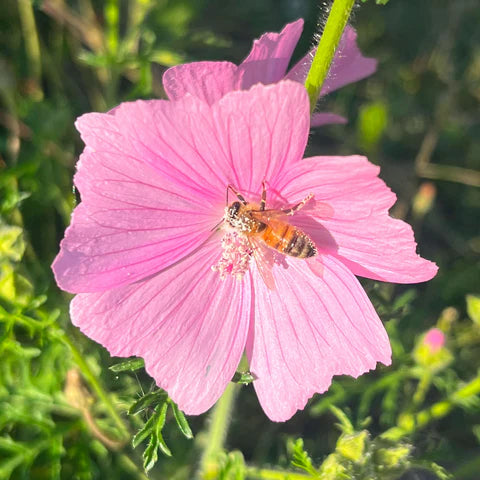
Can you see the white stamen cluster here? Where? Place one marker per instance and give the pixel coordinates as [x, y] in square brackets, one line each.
[236, 256]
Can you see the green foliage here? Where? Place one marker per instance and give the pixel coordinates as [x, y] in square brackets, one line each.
[372, 121]
[378, 2]
[152, 429]
[65, 415]
[359, 457]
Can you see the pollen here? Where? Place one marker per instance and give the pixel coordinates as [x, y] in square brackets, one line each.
[236, 255]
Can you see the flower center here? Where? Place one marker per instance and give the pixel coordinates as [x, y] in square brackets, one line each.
[236, 255]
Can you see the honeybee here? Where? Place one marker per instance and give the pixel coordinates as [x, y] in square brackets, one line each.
[270, 227]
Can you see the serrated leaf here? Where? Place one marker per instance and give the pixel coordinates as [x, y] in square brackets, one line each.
[146, 430]
[156, 397]
[153, 427]
[130, 365]
[150, 455]
[301, 459]
[181, 420]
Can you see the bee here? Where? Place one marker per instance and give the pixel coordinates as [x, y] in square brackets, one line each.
[270, 227]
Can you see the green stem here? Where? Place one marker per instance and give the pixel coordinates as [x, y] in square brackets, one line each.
[32, 44]
[94, 383]
[413, 422]
[217, 433]
[336, 22]
[422, 389]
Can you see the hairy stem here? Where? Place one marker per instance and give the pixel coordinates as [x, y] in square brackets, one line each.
[217, 432]
[336, 22]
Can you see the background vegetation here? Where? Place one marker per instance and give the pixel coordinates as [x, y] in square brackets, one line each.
[63, 412]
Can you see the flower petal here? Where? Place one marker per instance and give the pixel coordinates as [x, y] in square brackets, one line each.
[131, 223]
[263, 132]
[348, 65]
[308, 330]
[370, 242]
[208, 81]
[154, 175]
[319, 119]
[270, 55]
[159, 133]
[188, 324]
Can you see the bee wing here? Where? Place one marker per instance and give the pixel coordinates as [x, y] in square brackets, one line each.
[264, 259]
[269, 216]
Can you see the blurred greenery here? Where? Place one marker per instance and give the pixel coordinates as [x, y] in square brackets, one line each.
[65, 414]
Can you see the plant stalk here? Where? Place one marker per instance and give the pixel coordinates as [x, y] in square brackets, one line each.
[336, 22]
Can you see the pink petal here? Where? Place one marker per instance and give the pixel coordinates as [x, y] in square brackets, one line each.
[270, 55]
[154, 175]
[435, 339]
[263, 132]
[308, 330]
[188, 324]
[130, 224]
[159, 133]
[208, 81]
[357, 228]
[348, 66]
[319, 119]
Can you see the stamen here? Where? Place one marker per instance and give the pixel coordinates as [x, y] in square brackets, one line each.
[236, 256]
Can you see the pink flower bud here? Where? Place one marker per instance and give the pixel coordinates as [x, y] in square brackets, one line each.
[434, 339]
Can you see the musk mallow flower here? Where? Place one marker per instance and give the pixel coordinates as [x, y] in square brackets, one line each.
[267, 63]
[160, 272]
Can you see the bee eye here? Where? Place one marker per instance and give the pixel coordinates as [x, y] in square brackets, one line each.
[233, 210]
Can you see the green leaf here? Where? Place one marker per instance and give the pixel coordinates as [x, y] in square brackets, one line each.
[473, 308]
[154, 427]
[245, 378]
[345, 424]
[14, 288]
[130, 365]
[404, 300]
[156, 397]
[181, 420]
[161, 417]
[147, 429]
[301, 459]
[150, 455]
[163, 446]
[12, 244]
[352, 447]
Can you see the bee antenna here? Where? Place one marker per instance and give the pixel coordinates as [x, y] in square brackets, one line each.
[217, 225]
[234, 190]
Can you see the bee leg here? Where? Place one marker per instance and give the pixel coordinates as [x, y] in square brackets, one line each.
[236, 192]
[298, 206]
[264, 197]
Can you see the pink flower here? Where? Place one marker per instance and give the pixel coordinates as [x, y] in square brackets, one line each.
[157, 276]
[434, 339]
[267, 63]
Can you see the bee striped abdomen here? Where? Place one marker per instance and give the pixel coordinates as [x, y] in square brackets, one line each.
[289, 241]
